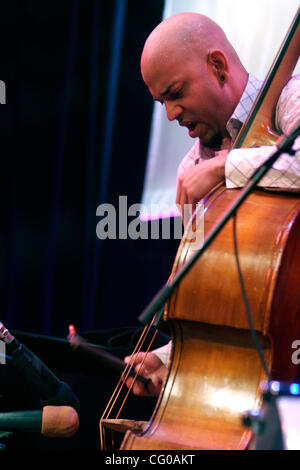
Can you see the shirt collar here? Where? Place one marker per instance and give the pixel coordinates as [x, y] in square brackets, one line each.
[243, 108]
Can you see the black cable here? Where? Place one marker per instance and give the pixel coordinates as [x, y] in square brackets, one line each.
[246, 303]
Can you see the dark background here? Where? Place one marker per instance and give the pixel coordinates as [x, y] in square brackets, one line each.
[74, 134]
[63, 154]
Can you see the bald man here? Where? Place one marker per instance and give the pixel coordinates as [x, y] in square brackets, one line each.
[191, 68]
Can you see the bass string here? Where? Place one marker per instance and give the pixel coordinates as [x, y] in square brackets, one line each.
[136, 374]
[125, 374]
[114, 397]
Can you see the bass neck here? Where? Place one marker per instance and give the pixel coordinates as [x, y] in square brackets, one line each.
[259, 127]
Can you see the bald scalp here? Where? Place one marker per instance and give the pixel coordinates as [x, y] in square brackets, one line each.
[185, 35]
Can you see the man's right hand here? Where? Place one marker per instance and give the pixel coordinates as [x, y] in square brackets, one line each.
[196, 181]
[152, 368]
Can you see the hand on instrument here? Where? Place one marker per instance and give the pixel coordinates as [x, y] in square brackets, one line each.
[198, 180]
[152, 368]
[288, 130]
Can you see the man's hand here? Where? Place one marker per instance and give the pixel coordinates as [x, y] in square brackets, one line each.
[195, 182]
[152, 368]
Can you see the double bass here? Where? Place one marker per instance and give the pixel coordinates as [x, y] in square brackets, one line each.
[214, 370]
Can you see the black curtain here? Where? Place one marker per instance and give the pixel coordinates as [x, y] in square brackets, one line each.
[74, 134]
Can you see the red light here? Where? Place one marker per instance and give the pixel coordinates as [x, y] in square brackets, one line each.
[72, 330]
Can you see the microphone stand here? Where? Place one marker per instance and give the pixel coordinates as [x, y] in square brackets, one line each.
[157, 304]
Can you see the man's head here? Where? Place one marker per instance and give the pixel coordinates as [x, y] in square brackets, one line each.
[189, 65]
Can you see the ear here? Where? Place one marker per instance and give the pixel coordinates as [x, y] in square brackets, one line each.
[218, 64]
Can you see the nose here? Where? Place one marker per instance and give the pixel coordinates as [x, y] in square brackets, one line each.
[173, 110]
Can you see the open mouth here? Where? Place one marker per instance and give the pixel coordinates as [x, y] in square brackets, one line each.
[193, 129]
[191, 126]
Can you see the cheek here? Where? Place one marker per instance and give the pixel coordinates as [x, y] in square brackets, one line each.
[204, 104]
[206, 110]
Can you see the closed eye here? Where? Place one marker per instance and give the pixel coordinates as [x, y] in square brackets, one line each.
[170, 95]
[175, 95]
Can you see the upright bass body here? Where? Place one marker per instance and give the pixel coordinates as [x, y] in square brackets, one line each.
[214, 368]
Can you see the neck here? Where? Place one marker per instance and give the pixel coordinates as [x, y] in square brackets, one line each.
[241, 83]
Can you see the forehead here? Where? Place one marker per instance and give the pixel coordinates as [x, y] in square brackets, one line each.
[161, 72]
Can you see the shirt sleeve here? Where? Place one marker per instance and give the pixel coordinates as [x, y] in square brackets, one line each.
[285, 172]
[163, 352]
[190, 159]
[195, 155]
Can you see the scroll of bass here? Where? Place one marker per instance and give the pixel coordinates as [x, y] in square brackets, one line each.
[214, 370]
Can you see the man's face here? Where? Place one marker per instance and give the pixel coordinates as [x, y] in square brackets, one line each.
[191, 94]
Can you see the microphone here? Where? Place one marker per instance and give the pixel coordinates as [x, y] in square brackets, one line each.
[52, 391]
[51, 421]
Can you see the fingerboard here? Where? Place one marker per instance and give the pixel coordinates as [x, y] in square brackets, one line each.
[259, 127]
